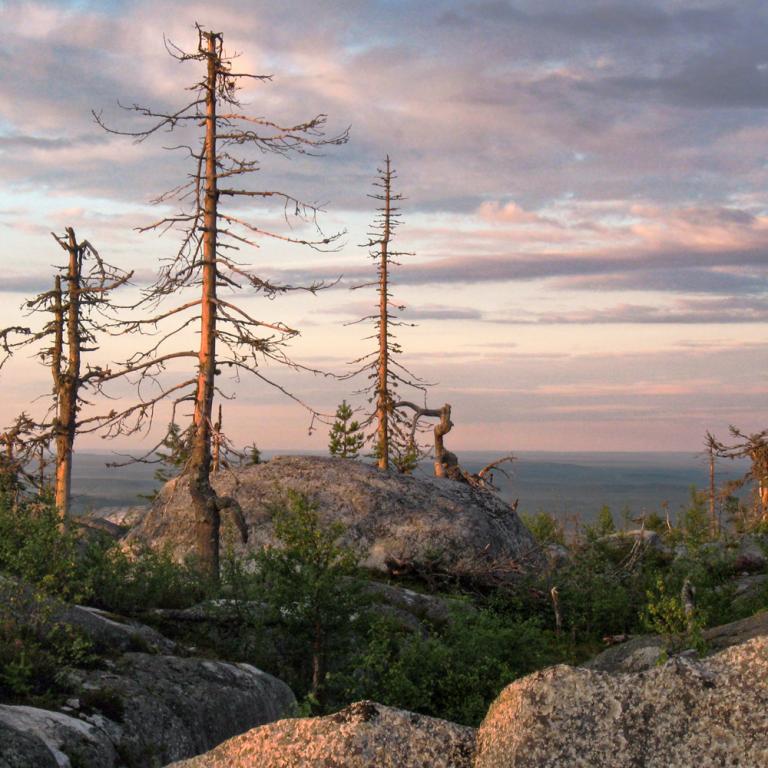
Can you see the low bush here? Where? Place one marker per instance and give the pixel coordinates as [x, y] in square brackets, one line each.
[35, 652]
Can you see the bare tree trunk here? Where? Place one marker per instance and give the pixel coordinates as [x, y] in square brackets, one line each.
[317, 661]
[41, 468]
[555, 595]
[763, 493]
[206, 512]
[66, 376]
[442, 428]
[712, 512]
[382, 393]
[216, 438]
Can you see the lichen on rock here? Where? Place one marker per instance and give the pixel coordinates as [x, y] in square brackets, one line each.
[363, 735]
[712, 712]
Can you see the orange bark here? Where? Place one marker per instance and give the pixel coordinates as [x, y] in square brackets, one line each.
[383, 398]
[207, 516]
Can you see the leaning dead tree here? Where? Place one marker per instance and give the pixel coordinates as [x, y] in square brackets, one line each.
[446, 462]
[755, 448]
[79, 310]
[224, 152]
[392, 439]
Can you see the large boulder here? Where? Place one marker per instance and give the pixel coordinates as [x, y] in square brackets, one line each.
[22, 750]
[364, 735]
[133, 709]
[751, 556]
[142, 710]
[399, 524]
[164, 708]
[685, 713]
[37, 738]
[111, 632]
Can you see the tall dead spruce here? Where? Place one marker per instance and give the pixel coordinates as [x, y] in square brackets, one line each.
[230, 338]
[79, 309]
[398, 422]
[394, 443]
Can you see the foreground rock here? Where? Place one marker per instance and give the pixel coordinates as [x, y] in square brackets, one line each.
[399, 524]
[133, 709]
[144, 710]
[31, 737]
[686, 713]
[167, 708]
[364, 735]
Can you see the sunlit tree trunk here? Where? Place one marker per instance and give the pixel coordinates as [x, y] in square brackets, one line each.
[66, 374]
[383, 398]
[206, 513]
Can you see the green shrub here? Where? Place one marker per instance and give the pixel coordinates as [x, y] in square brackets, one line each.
[32, 548]
[299, 602]
[95, 570]
[544, 527]
[665, 615]
[35, 652]
[137, 582]
[694, 520]
[455, 672]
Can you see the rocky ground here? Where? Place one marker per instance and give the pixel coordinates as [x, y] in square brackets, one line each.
[135, 707]
[363, 735]
[686, 712]
[158, 706]
[150, 702]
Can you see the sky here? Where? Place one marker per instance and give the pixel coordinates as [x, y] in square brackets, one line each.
[586, 201]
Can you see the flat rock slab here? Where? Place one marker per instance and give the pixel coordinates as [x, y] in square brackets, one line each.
[364, 735]
[396, 522]
[705, 713]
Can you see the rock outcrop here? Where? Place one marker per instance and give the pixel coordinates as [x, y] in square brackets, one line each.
[364, 735]
[399, 524]
[705, 713]
[33, 738]
[165, 708]
[135, 709]
[108, 631]
[144, 710]
[643, 651]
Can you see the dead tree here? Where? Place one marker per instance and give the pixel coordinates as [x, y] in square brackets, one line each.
[392, 439]
[18, 446]
[713, 448]
[446, 462]
[223, 453]
[80, 309]
[230, 149]
[755, 448]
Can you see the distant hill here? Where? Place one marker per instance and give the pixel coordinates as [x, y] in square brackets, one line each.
[565, 484]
